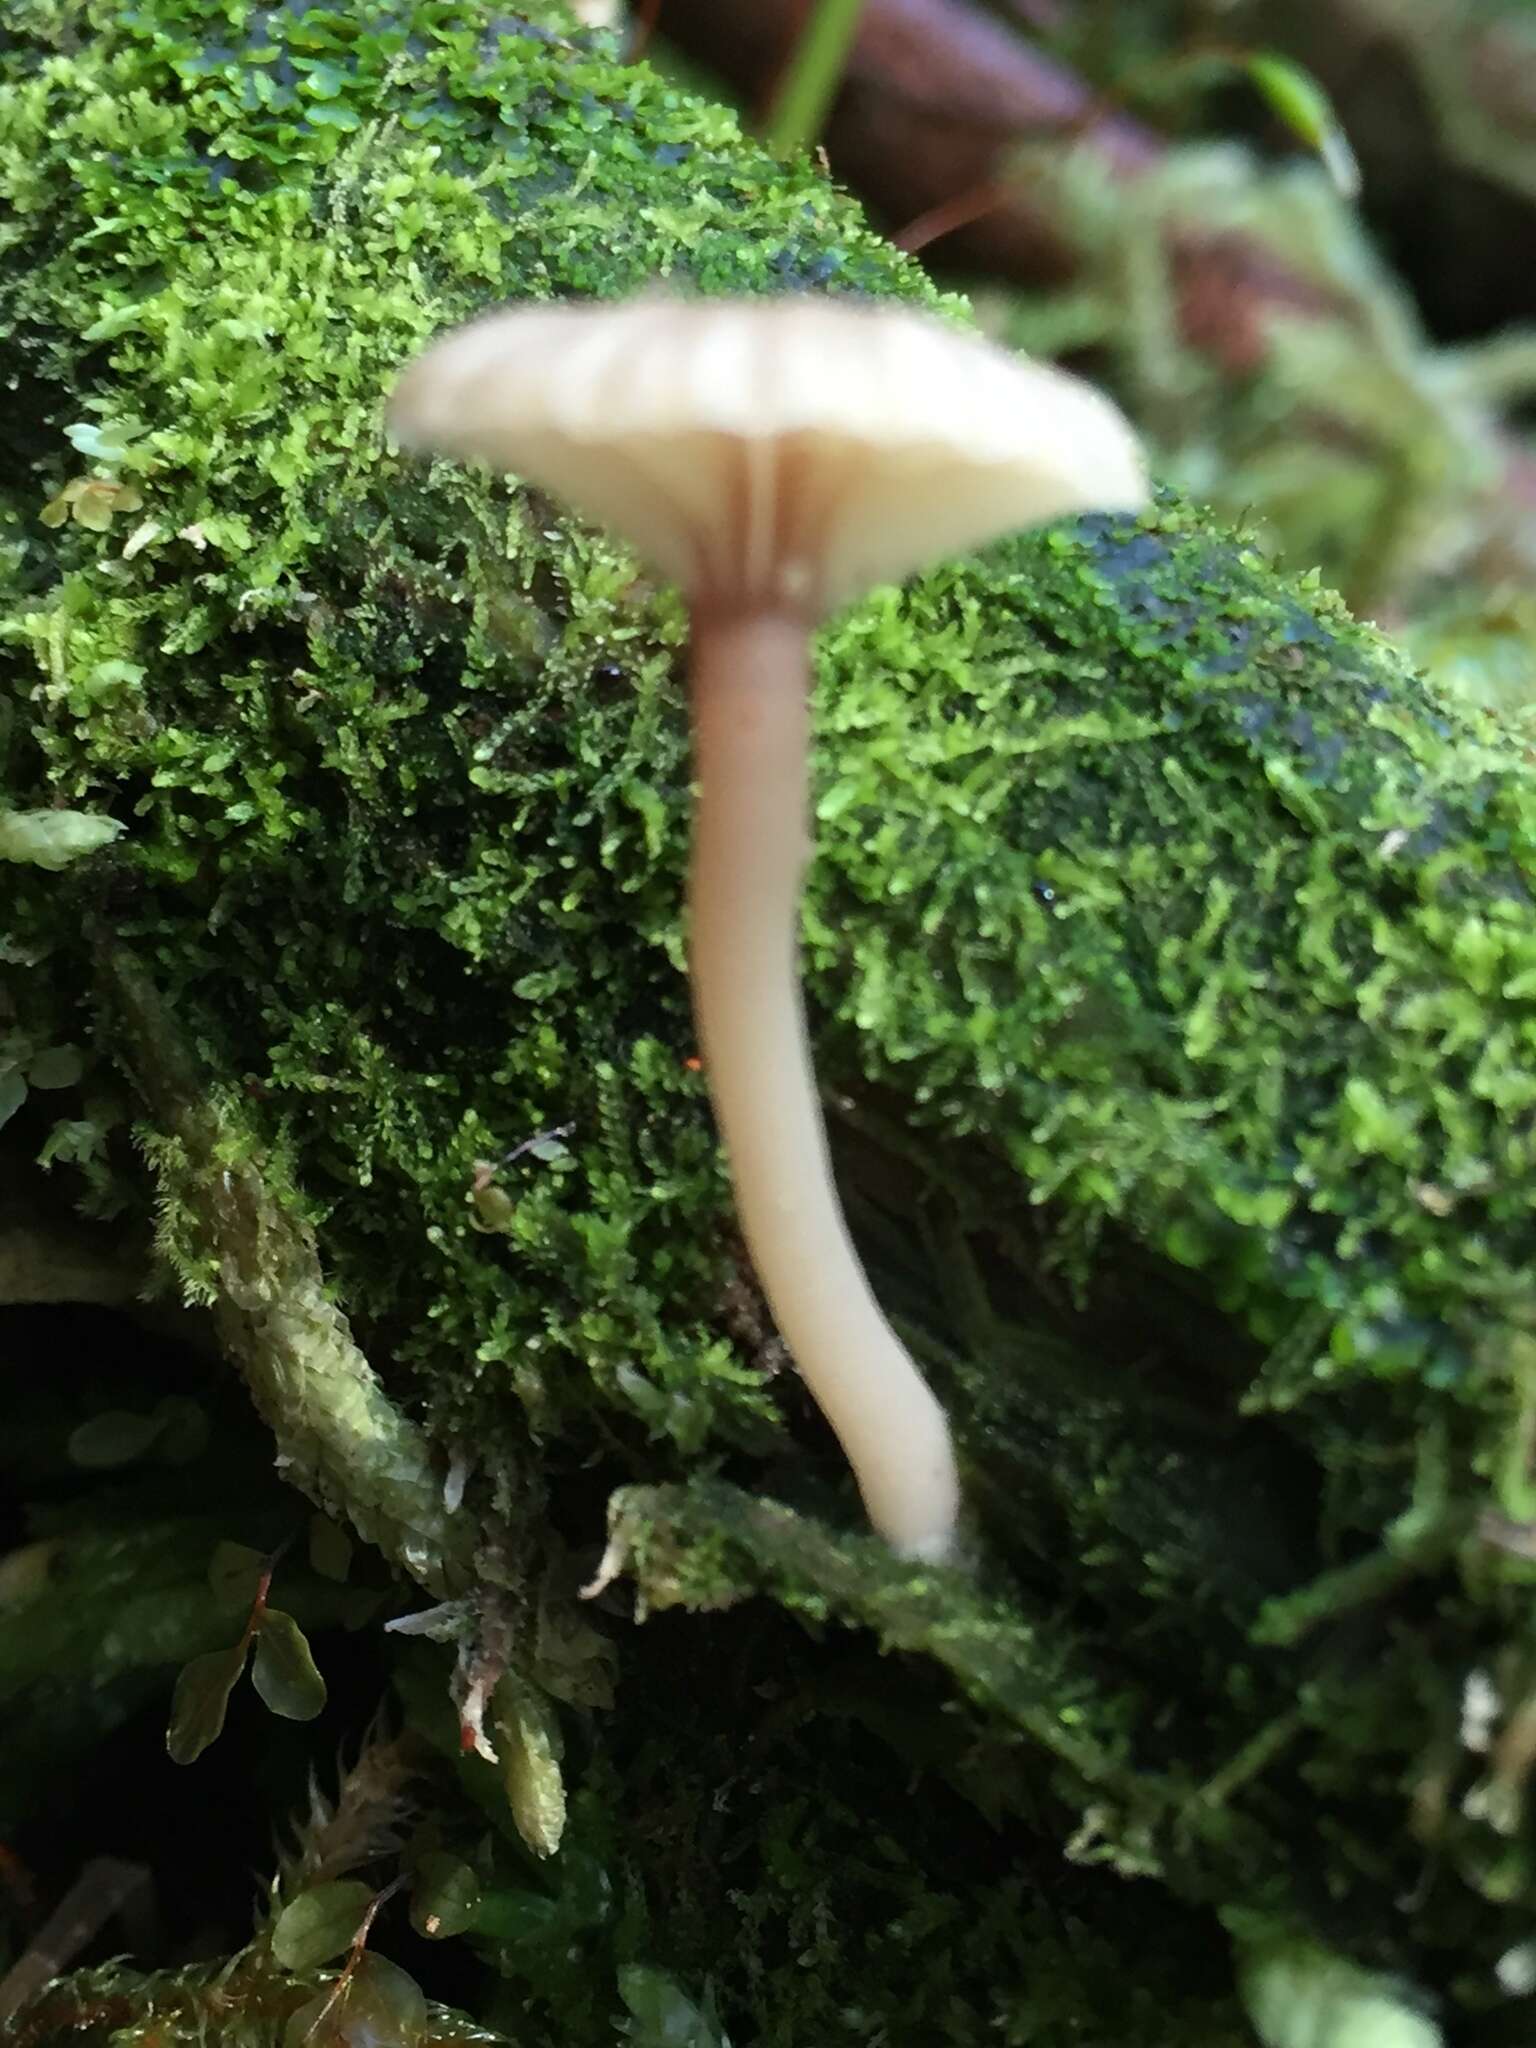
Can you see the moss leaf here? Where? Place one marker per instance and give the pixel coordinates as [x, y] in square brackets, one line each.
[199, 1702]
[285, 1672]
[528, 1739]
[234, 1573]
[330, 1549]
[320, 1924]
[444, 1897]
[382, 2006]
[57, 1066]
[115, 1437]
[662, 2016]
[52, 839]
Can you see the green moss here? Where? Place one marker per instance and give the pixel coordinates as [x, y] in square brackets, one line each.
[255, 367]
[248, 2004]
[1171, 952]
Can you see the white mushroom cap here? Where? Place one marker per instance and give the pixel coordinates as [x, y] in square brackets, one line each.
[788, 451]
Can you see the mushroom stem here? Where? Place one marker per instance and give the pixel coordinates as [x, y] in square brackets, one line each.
[751, 710]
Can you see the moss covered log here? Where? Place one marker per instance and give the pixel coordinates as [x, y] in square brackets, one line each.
[1172, 957]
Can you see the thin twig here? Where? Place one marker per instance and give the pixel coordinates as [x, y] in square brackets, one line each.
[98, 1894]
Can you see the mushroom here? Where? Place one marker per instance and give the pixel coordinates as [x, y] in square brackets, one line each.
[776, 457]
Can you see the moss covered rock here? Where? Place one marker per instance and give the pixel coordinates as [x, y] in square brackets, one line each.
[1171, 951]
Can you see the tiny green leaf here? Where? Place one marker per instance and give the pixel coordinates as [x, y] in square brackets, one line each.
[114, 321]
[334, 114]
[106, 444]
[494, 1208]
[330, 1549]
[304, 2029]
[527, 1737]
[183, 1429]
[392, 2001]
[320, 1924]
[13, 1093]
[381, 2006]
[234, 1573]
[445, 1895]
[199, 1702]
[521, 1920]
[663, 2016]
[93, 508]
[52, 839]
[113, 1438]
[1299, 1993]
[78, 1141]
[57, 1066]
[323, 81]
[573, 1662]
[285, 1672]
